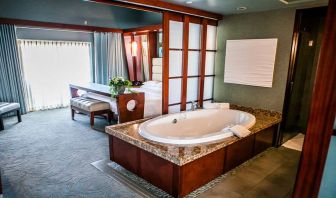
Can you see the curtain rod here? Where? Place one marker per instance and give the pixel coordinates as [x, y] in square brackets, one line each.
[58, 29]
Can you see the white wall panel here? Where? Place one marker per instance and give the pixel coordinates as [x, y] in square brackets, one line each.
[211, 37]
[175, 34]
[175, 63]
[193, 63]
[192, 89]
[174, 109]
[175, 90]
[210, 63]
[194, 36]
[208, 87]
[250, 61]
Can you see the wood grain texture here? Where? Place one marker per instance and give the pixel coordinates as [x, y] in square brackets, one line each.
[152, 51]
[322, 114]
[165, 63]
[239, 152]
[148, 28]
[137, 113]
[157, 4]
[156, 171]
[185, 46]
[263, 140]
[21, 22]
[201, 171]
[202, 62]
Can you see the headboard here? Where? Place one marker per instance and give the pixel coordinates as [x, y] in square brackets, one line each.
[157, 69]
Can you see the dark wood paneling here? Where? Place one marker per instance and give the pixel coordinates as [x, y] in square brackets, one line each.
[149, 28]
[152, 51]
[125, 154]
[239, 152]
[125, 115]
[185, 62]
[156, 171]
[202, 62]
[201, 171]
[21, 22]
[322, 114]
[165, 63]
[157, 4]
[263, 140]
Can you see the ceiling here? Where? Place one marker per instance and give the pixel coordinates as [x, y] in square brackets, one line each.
[77, 12]
[226, 7]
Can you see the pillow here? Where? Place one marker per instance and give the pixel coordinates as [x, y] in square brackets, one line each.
[150, 83]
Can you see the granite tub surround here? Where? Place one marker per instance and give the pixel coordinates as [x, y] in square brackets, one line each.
[181, 155]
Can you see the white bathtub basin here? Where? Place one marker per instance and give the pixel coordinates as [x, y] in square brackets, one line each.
[194, 127]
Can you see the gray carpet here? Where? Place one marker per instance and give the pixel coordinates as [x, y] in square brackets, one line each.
[49, 155]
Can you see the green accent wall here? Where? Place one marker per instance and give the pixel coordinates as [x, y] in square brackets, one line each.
[271, 24]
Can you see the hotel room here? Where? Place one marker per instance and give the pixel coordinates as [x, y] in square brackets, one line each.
[167, 98]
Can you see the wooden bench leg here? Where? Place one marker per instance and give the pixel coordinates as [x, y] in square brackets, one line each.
[92, 118]
[18, 114]
[72, 114]
[1, 124]
[109, 117]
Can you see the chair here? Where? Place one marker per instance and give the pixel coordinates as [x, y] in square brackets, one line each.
[91, 107]
[6, 107]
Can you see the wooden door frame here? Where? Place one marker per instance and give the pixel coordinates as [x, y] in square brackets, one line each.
[293, 57]
[322, 114]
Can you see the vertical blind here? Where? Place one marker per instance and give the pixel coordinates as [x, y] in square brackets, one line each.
[49, 67]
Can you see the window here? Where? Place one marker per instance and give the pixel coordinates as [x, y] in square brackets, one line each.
[49, 67]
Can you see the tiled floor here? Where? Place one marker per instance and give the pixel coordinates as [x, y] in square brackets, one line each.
[270, 175]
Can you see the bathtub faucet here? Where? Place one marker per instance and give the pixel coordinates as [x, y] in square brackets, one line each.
[194, 106]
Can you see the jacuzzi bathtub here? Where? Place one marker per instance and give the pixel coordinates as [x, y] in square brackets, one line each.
[194, 127]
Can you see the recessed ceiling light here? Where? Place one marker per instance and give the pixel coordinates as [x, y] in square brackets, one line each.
[242, 8]
[188, 2]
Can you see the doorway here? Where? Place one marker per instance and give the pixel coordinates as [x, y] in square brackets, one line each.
[304, 58]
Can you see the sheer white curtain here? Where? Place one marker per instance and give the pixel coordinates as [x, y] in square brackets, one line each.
[49, 68]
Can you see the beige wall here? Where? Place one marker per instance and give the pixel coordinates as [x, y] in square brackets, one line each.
[272, 24]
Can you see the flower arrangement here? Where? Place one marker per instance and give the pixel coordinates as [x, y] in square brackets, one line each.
[118, 85]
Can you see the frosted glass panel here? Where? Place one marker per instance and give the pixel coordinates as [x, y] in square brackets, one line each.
[210, 63]
[174, 109]
[175, 90]
[250, 61]
[175, 34]
[193, 63]
[211, 37]
[175, 63]
[192, 89]
[194, 36]
[208, 87]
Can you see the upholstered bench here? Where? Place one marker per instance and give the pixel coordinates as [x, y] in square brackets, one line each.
[90, 107]
[6, 107]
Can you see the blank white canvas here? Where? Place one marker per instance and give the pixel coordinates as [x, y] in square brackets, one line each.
[250, 61]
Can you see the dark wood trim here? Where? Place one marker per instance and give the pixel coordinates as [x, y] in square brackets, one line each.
[21, 22]
[171, 7]
[152, 51]
[125, 115]
[292, 61]
[145, 29]
[185, 46]
[198, 50]
[188, 102]
[202, 62]
[179, 181]
[127, 5]
[165, 63]
[134, 61]
[197, 76]
[322, 114]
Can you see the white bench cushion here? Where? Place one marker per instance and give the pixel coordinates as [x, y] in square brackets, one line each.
[7, 107]
[89, 104]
